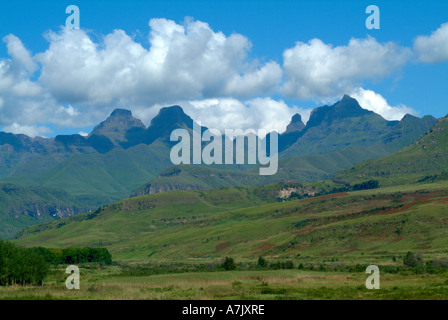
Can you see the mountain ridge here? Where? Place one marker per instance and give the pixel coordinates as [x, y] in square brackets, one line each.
[424, 160]
[99, 170]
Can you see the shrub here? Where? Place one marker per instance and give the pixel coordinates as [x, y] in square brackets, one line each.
[440, 263]
[371, 184]
[288, 265]
[282, 265]
[262, 263]
[412, 260]
[229, 264]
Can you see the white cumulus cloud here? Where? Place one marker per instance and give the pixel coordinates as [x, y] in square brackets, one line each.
[79, 79]
[187, 61]
[433, 48]
[227, 113]
[20, 55]
[22, 101]
[319, 70]
[375, 102]
[32, 130]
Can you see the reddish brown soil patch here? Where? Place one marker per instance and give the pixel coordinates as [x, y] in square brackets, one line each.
[264, 246]
[223, 245]
[304, 230]
[424, 247]
[444, 200]
[405, 207]
[334, 195]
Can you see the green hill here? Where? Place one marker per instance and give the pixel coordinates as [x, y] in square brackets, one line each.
[25, 205]
[300, 169]
[426, 160]
[248, 222]
[98, 179]
[335, 138]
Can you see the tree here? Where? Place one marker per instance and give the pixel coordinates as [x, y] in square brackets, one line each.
[412, 260]
[229, 264]
[262, 263]
[20, 265]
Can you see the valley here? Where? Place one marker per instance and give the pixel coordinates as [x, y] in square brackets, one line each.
[321, 219]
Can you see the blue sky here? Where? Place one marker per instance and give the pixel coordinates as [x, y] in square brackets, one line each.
[255, 85]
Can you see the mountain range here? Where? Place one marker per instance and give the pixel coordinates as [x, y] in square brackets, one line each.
[407, 213]
[424, 161]
[121, 156]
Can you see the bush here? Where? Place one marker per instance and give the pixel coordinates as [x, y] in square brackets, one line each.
[412, 260]
[282, 265]
[229, 264]
[440, 263]
[371, 184]
[262, 263]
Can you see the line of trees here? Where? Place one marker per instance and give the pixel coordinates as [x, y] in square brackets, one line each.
[20, 265]
[74, 255]
[30, 266]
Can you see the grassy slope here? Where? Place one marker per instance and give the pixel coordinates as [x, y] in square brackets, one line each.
[25, 205]
[104, 178]
[211, 224]
[424, 161]
[295, 168]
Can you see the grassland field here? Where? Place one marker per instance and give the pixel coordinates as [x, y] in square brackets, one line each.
[111, 283]
[161, 253]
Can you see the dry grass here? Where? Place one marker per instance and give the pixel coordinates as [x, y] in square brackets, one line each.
[283, 284]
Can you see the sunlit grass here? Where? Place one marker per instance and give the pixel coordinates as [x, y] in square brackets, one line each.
[272, 284]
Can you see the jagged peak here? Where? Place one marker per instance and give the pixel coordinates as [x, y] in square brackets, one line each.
[174, 109]
[409, 116]
[121, 113]
[296, 123]
[296, 118]
[172, 114]
[345, 108]
[116, 125]
[349, 104]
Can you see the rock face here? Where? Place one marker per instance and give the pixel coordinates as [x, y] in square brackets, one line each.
[22, 206]
[346, 108]
[296, 124]
[167, 120]
[346, 123]
[117, 125]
